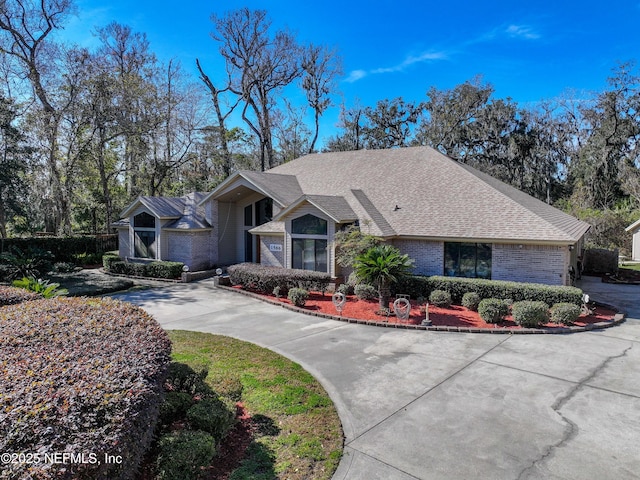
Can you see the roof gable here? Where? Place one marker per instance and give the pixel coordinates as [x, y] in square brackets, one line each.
[335, 207]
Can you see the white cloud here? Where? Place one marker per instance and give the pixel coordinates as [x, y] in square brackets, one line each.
[522, 31]
[356, 75]
[427, 56]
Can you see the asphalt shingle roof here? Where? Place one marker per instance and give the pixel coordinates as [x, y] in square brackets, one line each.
[186, 211]
[420, 192]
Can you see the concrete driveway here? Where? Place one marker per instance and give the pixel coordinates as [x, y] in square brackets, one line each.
[439, 405]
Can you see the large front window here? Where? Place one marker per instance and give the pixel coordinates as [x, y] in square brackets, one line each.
[309, 243]
[310, 254]
[144, 235]
[467, 260]
[145, 244]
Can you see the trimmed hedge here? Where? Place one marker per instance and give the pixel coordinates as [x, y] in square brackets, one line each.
[566, 313]
[440, 298]
[65, 249]
[298, 296]
[518, 291]
[83, 376]
[471, 300]
[493, 310]
[184, 454]
[14, 295]
[530, 314]
[158, 269]
[266, 279]
[365, 292]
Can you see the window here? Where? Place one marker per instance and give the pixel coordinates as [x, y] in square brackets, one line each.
[144, 235]
[309, 225]
[144, 220]
[248, 246]
[264, 211]
[309, 243]
[145, 244]
[248, 216]
[310, 254]
[471, 260]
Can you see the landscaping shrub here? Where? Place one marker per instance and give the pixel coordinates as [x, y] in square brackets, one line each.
[566, 313]
[64, 267]
[31, 262]
[530, 313]
[79, 375]
[211, 415]
[175, 406]
[440, 298]
[183, 378]
[164, 269]
[41, 287]
[13, 295]
[298, 296]
[492, 310]
[183, 454]
[158, 269]
[67, 249]
[265, 279]
[471, 300]
[108, 259]
[365, 292]
[517, 291]
[413, 285]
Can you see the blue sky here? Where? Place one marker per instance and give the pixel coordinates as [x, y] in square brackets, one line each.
[529, 51]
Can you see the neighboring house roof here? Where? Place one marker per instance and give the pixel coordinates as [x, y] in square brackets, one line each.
[419, 192]
[633, 227]
[186, 211]
[122, 223]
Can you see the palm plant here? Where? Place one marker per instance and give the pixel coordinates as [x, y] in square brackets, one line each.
[381, 266]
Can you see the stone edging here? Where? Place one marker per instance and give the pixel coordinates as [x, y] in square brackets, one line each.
[617, 320]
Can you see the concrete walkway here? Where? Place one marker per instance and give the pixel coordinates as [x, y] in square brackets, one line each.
[438, 405]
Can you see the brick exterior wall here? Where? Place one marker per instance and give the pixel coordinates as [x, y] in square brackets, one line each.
[190, 248]
[530, 263]
[269, 258]
[428, 255]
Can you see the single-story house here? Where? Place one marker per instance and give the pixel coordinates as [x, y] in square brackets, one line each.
[634, 229]
[449, 217]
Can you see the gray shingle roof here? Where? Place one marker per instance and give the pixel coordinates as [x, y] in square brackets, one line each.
[186, 211]
[419, 192]
[335, 206]
[284, 189]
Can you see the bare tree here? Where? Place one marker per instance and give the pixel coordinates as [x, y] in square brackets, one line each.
[259, 65]
[321, 67]
[216, 95]
[25, 26]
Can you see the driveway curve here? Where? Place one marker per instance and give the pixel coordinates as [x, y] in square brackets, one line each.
[443, 405]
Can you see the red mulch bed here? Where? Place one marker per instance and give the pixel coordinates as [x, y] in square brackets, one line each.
[454, 316]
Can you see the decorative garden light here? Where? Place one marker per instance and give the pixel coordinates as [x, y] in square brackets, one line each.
[339, 299]
[426, 320]
[402, 307]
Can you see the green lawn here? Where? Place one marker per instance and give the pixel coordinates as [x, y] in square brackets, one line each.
[299, 434]
[631, 266]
